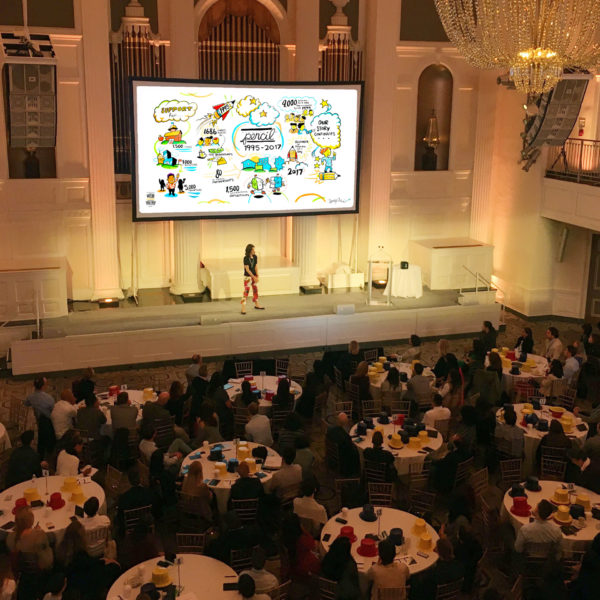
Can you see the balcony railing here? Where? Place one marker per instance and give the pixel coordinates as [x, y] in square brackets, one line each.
[578, 160]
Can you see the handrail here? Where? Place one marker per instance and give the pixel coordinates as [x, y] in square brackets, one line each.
[478, 276]
[577, 160]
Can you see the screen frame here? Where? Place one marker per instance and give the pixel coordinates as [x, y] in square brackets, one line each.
[262, 215]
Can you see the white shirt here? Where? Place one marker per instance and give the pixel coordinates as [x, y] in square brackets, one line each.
[63, 417]
[147, 447]
[306, 507]
[554, 349]
[90, 524]
[263, 580]
[437, 413]
[67, 465]
[571, 368]
[258, 430]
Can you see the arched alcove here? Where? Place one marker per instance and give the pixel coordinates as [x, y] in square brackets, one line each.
[434, 100]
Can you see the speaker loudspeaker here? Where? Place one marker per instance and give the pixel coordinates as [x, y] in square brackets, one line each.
[344, 309]
[562, 244]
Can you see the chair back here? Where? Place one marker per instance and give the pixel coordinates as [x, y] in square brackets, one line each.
[240, 418]
[538, 549]
[554, 453]
[375, 472]
[281, 366]
[246, 509]
[112, 482]
[462, 471]
[393, 399]
[393, 593]
[425, 401]
[516, 592]
[370, 408]
[332, 455]
[353, 393]
[244, 367]
[348, 490]
[380, 494]
[479, 482]
[344, 406]
[281, 592]
[418, 473]
[523, 390]
[552, 470]
[327, 589]
[94, 536]
[240, 560]
[134, 515]
[278, 417]
[421, 502]
[4, 458]
[370, 355]
[566, 401]
[510, 472]
[338, 379]
[165, 433]
[449, 591]
[189, 504]
[443, 427]
[190, 543]
[504, 448]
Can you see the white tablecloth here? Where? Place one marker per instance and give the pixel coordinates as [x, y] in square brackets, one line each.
[390, 518]
[538, 372]
[4, 439]
[406, 283]
[268, 383]
[45, 516]
[587, 534]
[377, 380]
[137, 400]
[533, 436]
[200, 575]
[403, 456]
[222, 490]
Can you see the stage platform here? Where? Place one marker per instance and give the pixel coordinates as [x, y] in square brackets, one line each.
[144, 334]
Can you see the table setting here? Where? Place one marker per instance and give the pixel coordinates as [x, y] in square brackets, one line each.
[264, 387]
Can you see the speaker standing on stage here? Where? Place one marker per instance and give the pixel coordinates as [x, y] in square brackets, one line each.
[250, 277]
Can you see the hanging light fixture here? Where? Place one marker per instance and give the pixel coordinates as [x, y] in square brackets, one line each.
[432, 137]
[535, 39]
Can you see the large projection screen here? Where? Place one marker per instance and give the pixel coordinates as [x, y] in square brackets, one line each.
[215, 150]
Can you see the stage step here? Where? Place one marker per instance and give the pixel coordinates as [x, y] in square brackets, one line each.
[485, 296]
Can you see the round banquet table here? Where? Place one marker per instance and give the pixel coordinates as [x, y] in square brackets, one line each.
[538, 372]
[533, 436]
[587, 534]
[45, 516]
[200, 575]
[4, 439]
[106, 401]
[268, 383]
[222, 490]
[390, 517]
[376, 381]
[404, 456]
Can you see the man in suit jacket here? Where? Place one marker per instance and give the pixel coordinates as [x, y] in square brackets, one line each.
[246, 487]
[24, 461]
[348, 453]
[419, 386]
[123, 414]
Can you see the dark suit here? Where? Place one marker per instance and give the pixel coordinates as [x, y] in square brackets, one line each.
[123, 416]
[247, 488]
[24, 462]
[378, 455]
[590, 477]
[348, 453]
[91, 419]
[152, 411]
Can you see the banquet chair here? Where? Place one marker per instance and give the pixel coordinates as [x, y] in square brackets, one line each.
[393, 593]
[490, 529]
[396, 404]
[425, 401]
[4, 458]
[418, 475]
[449, 591]
[190, 543]
[504, 448]
[165, 433]
[190, 512]
[332, 455]
[571, 559]
[462, 472]
[370, 355]
[370, 408]
[554, 453]
[375, 472]
[443, 428]
[281, 592]
[243, 368]
[240, 560]
[380, 494]
[523, 390]
[327, 589]
[278, 417]
[421, 502]
[282, 366]
[338, 380]
[94, 536]
[344, 406]
[133, 516]
[144, 473]
[240, 418]
[348, 491]
[479, 481]
[353, 393]
[112, 482]
[552, 470]
[565, 400]
[516, 592]
[510, 472]
[561, 387]
[246, 509]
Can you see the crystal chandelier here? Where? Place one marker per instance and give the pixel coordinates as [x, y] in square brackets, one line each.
[534, 39]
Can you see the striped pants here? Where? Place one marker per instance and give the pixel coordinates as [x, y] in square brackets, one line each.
[247, 282]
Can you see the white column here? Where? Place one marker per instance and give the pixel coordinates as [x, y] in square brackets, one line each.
[304, 229]
[183, 61]
[481, 201]
[95, 28]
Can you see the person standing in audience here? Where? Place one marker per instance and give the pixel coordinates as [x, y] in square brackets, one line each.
[553, 349]
[572, 365]
[437, 413]
[388, 572]
[443, 471]
[197, 393]
[223, 404]
[176, 401]
[64, 413]
[90, 418]
[347, 451]
[123, 415]
[540, 530]
[311, 389]
[84, 387]
[304, 456]
[24, 461]
[348, 361]
[555, 372]
[488, 336]
[283, 398]
[258, 427]
[452, 393]
[193, 370]
[287, 478]
[42, 404]
[163, 481]
[207, 426]
[263, 580]
[442, 367]
[495, 365]
[339, 565]
[377, 454]
[524, 344]
[290, 432]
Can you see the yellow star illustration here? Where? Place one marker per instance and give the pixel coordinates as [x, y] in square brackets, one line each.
[324, 103]
[263, 113]
[253, 101]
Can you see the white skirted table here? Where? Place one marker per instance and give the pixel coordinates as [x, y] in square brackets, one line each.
[200, 576]
[587, 534]
[268, 383]
[406, 283]
[533, 436]
[51, 521]
[377, 380]
[538, 372]
[222, 489]
[404, 456]
[106, 401]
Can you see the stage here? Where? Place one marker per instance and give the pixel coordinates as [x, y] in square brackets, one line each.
[168, 331]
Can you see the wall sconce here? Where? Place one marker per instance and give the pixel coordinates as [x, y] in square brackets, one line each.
[432, 141]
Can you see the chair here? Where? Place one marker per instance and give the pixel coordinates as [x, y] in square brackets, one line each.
[462, 472]
[393, 593]
[490, 520]
[380, 494]
[425, 401]
[281, 366]
[144, 473]
[479, 482]
[243, 368]
[375, 472]
[559, 388]
[246, 509]
[165, 433]
[370, 408]
[552, 470]
[393, 400]
[554, 453]
[566, 401]
[338, 379]
[516, 592]
[288, 493]
[370, 355]
[327, 589]
[510, 472]
[332, 455]
[240, 560]
[278, 417]
[504, 448]
[421, 502]
[282, 592]
[449, 591]
[240, 418]
[191, 543]
[571, 562]
[443, 427]
[348, 491]
[94, 536]
[353, 393]
[112, 482]
[344, 406]
[133, 516]
[523, 390]
[418, 474]
[191, 512]
[4, 458]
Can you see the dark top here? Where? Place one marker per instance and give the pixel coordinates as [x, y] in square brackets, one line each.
[346, 575]
[153, 410]
[90, 575]
[445, 469]
[379, 455]
[250, 262]
[23, 463]
[175, 407]
[488, 339]
[91, 419]
[348, 453]
[588, 581]
[364, 386]
[526, 344]
[197, 391]
[444, 571]
[82, 388]
[247, 488]
[164, 487]
[441, 368]
[243, 538]
[136, 497]
[590, 477]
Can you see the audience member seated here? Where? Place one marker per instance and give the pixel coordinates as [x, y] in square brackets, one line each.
[587, 582]
[67, 462]
[387, 572]
[283, 399]
[247, 396]
[540, 530]
[555, 372]
[162, 481]
[460, 511]
[495, 365]
[84, 387]
[193, 370]
[418, 386]
[392, 382]
[414, 352]
[157, 410]
[577, 461]
[194, 485]
[136, 496]
[301, 551]
[361, 379]
[24, 461]
[468, 552]
[306, 507]
[304, 456]
[555, 438]
[467, 427]
[571, 364]
[197, 393]
[258, 427]
[437, 413]
[348, 453]
[305, 406]
[484, 384]
[246, 487]
[553, 347]
[488, 336]
[27, 539]
[592, 445]
[223, 405]
[42, 404]
[290, 432]
[339, 565]
[247, 588]
[377, 454]
[173, 456]
[348, 361]
[234, 536]
[138, 546]
[207, 426]
[287, 479]
[524, 344]
[443, 471]
[512, 433]
[263, 579]
[177, 398]
[90, 418]
[452, 393]
[92, 521]
[123, 414]
[475, 361]
[64, 413]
